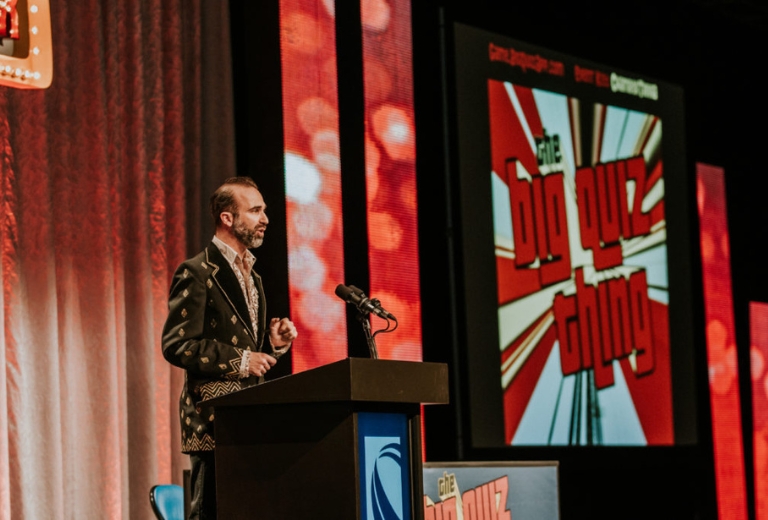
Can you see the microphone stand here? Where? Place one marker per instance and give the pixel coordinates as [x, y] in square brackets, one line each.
[363, 318]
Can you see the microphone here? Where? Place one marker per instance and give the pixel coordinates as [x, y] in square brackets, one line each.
[356, 297]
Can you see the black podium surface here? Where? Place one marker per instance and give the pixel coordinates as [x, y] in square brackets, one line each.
[299, 446]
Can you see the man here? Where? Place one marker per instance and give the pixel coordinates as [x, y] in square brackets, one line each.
[216, 327]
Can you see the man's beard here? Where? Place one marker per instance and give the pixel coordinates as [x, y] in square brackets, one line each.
[247, 237]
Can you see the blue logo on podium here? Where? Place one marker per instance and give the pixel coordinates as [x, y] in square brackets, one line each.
[384, 471]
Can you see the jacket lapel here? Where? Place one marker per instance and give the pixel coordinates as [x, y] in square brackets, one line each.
[262, 305]
[229, 285]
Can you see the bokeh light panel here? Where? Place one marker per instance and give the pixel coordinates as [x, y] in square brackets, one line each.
[390, 155]
[758, 355]
[721, 343]
[312, 180]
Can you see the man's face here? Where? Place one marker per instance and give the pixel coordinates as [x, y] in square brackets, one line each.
[250, 221]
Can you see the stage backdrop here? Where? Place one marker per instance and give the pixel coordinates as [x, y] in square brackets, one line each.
[97, 173]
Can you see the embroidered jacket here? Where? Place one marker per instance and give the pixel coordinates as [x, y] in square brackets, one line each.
[207, 329]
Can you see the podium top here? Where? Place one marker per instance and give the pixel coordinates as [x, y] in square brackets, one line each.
[351, 379]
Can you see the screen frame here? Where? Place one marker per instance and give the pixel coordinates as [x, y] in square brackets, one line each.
[468, 70]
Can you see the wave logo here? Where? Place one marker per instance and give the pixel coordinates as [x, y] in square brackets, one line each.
[385, 482]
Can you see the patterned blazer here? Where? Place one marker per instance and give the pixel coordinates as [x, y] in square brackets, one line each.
[207, 329]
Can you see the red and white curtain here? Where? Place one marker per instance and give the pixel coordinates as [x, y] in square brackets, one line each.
[103, 178]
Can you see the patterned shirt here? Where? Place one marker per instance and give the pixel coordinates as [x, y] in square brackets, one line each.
[242, 267]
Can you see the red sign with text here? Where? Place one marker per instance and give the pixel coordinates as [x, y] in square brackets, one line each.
[581, 260]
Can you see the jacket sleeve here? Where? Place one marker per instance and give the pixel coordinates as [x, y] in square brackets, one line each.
[184, 343]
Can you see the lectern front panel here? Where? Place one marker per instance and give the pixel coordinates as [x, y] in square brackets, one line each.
[281, 462]
[384, 459]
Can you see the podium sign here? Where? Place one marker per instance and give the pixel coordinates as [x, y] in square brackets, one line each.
[342, 441]
[384, 466]
[499, 490]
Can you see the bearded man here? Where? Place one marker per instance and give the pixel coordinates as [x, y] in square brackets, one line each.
[216, 327]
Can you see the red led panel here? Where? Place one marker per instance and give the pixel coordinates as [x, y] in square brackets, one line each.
[390, 155]
[721, 343]
[312, 180]
[758, 355]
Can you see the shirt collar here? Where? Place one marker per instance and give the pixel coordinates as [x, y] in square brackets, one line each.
[230, 254]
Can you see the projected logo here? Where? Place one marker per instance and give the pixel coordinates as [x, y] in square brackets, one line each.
[384, 466]
[26, 57]
[580, 239]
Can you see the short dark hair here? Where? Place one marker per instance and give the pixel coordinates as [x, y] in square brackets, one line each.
[223, 199]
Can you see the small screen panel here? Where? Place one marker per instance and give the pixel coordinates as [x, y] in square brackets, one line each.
[26, 49]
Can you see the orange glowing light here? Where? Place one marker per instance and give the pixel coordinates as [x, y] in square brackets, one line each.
[375, 14]
[386, 233]
[301, 32]
[707, 246]
[315, 113]
[756, 363]
[26, 59]
[393, 127]
[325, 149]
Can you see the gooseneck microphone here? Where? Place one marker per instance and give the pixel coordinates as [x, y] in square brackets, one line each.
[356, 297]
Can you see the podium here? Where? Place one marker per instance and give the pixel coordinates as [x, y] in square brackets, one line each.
[337, 441]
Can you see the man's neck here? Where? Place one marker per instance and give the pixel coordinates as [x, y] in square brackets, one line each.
[232, 242]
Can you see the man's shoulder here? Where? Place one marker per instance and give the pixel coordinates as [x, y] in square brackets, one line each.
[193, 260]
[200, 262]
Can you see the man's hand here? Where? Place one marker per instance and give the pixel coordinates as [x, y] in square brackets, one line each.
[281, 332]
[259, 363]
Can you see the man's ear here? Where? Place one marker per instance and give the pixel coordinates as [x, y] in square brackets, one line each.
[227, 218]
